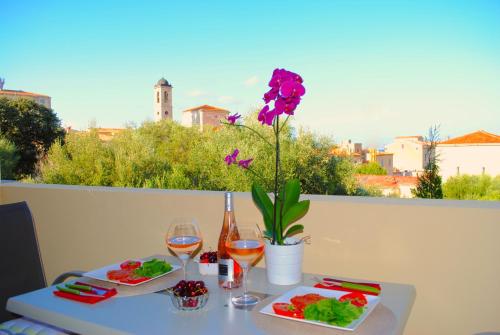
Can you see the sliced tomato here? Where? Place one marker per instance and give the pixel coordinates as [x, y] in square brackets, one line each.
[130, 265]
[301, 301]
[282, 308]
[133, 279]
[118, 274]
[356, 298]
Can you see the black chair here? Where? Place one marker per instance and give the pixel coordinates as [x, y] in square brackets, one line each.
[20, 262]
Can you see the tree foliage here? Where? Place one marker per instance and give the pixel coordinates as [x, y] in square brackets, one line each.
[429, 183]
[371, 168]
[32, 128]
[167, 155]
[8, 159]
[467, 187]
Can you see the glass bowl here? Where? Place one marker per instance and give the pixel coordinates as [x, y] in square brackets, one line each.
[188, 303]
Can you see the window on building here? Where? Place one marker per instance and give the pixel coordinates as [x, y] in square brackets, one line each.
[166, 112]
[484, 170]
[402, 146]
[158, 97]
[458, 170]
[165, 95]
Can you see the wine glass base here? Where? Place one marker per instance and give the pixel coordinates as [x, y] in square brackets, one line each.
[245, 300]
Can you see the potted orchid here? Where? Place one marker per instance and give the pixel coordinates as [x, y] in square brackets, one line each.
[281, 212]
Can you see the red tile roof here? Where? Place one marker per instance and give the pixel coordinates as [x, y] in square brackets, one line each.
[207, 108]
[476, 137]
[22, 93]
[385, 181]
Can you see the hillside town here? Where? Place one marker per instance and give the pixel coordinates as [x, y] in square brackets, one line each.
[403, 160]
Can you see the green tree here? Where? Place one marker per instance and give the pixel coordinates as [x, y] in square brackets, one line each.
[32, 128]
[371, 168]
[8, 159]
[341, 179]
[467, 187]
[429, 182]
[167, 155]
[82, 160]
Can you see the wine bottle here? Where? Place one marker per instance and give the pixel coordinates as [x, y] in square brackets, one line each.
[229, 270]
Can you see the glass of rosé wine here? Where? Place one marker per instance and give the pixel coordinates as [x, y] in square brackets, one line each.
[183, 239]
[245, 245]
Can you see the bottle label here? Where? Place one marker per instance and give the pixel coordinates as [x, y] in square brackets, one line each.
[226, 269]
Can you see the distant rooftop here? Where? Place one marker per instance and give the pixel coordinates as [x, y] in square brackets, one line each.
[22, 93]
[477, 137]
[417, 137]
[385, 181]
[207, 108]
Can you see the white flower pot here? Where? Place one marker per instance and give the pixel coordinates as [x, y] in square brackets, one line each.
[284, 262]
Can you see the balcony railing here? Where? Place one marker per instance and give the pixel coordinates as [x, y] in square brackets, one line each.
[448, 250]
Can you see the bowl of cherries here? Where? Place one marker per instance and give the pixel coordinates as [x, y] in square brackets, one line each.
[208, 263]
[189, 295]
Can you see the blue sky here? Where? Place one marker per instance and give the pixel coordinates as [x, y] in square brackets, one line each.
[373, 69]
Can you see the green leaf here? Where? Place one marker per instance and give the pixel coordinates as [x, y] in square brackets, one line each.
[264, 204]
[292, 194]
[296, 212]
[298, 228]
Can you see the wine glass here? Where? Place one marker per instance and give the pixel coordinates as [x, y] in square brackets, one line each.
[183, 238]
[244, 244]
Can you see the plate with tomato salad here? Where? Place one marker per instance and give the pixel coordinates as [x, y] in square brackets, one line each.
[133, 272]
[292, 305]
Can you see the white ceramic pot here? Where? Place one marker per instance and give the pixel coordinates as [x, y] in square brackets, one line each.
[284, 262]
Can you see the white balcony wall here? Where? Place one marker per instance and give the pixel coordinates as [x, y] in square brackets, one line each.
[448, 250]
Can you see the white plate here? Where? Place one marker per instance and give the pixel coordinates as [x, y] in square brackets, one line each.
[101, 274]
[301, 290]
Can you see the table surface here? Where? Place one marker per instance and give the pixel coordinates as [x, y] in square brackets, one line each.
[153, 313]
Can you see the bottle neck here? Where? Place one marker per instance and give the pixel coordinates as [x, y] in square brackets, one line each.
[228, 202]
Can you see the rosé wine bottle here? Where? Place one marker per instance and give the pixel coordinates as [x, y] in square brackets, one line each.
[229, 270]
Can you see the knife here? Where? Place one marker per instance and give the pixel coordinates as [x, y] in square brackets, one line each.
[351, 286]
[76, 292]
[86, 289]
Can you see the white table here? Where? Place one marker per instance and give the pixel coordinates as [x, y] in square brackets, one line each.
[154, 313]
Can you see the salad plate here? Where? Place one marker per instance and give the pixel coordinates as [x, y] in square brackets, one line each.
[102, 273]
[372, 302]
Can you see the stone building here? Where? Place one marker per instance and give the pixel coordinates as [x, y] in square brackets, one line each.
[410, 154]
[41, 99]
[163, 100]
[203, 116]
[475, 154]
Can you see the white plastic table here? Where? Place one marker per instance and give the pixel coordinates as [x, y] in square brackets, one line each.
[153, 313]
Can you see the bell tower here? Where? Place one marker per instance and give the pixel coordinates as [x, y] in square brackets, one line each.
[163, 100]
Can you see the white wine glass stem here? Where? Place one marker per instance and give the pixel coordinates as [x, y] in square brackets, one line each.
[245, 266]
[184, 259]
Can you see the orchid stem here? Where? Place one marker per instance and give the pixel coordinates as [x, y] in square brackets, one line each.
[277, 133]
[284, 123]
[258, 176]
[251, 129]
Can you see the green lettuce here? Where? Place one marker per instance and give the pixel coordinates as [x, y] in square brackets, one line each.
[333, 312]
[153, 268]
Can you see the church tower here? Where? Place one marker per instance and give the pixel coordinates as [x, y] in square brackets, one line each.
[163, 100]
